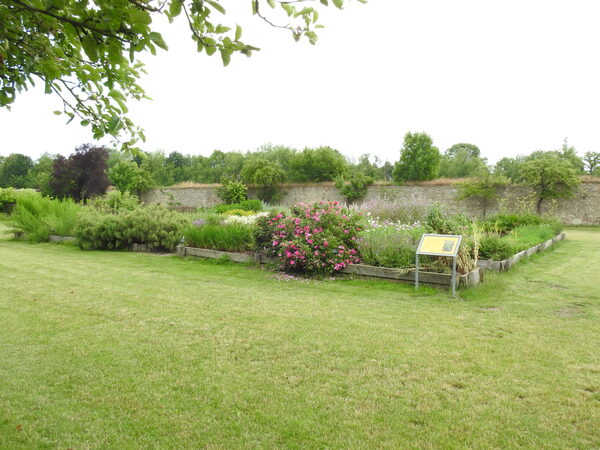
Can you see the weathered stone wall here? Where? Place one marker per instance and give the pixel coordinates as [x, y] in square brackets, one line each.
[583, 209]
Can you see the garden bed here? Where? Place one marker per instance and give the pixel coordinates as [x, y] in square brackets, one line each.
[506, 264]
[363, 271]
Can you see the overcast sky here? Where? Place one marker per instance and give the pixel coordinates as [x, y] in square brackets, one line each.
[509, 76]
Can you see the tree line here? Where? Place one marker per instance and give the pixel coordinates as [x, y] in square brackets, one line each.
[91, 169]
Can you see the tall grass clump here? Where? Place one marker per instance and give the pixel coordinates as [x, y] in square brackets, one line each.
[389, 245]
[229, 237]
[39, 217]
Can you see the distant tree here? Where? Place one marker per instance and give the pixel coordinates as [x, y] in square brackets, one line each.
[128, 177]
[484, 188]
[510, 168]
[367, 168]
[591, 161]
[419, 159]
[41, 173]
[387, 171]
[15, 171]
[265, 175]
[550, 177]
[461, 160]
[318, 164]
[82, 175]
[568, 153]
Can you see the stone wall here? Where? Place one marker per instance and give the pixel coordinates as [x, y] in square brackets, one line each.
[583, 209]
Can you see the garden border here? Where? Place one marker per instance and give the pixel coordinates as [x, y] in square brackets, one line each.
[506, 264]
[363, 271]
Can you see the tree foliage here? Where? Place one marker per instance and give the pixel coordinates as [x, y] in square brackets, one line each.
[461, 160]
[265, 175]
[87, 53]
[82, 175]
[318, 164]
[419, 159]
[551, 178]
[130, 178]
[591, 161]
[14, 171]
[484, 188]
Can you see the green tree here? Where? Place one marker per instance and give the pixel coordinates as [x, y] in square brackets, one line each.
[86, 53]
[15, 171]
[484, 188]
[419, 159]
[265, 175]
[462, 160]
[41, 173]
[591, 161]
[510, 167]
[130, 178]
[356, 187]
[550, 178]
[318, 164]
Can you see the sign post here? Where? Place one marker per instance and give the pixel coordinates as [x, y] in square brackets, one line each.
[438, 245]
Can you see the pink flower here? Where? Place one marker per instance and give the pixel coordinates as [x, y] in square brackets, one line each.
[288, 255]
[325, 243]
[310, 241]
[292, 262]
[275, 242]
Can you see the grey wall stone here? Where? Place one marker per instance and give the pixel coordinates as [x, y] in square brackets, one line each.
[583, 209]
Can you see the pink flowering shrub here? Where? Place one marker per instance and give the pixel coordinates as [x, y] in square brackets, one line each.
[319, 238]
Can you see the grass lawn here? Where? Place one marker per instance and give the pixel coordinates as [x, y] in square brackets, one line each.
[122, 350]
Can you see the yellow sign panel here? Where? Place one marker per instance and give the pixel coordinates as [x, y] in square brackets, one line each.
[435, 244]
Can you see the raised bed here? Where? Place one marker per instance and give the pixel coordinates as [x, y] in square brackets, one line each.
[508, 263]
[439, 280]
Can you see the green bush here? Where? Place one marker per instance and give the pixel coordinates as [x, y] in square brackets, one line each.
[154, 225]
[246, 205]
[356, 187]
[39, 217]
[232, 191]
[115, 201]
[503, 223]
[229, 237]
[496, 248]
[238, 212]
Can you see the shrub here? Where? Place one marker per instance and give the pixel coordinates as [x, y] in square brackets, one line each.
[115, 201]
[246, 205]
[238, 212]
[230, 237]
[503, 223]
[314, 239]
[39, 217]
[232, 191]
[496, 248]
[355, 188]
[153, 225]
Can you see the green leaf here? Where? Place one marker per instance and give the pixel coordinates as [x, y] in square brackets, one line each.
[289, 9]
[238, 32]
[226, 57]
[338, 3]
[90, 48]
[158, 40]
[175, 8]
[216, 5]
[58, 113]
[271, 3]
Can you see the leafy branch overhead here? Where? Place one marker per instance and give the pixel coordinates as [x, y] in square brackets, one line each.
[87, 53]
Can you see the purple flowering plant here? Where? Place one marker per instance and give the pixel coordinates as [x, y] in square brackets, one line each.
[319, 238]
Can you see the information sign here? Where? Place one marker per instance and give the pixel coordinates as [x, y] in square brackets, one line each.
[438, 245]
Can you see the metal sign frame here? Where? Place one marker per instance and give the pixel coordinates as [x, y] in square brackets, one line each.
[449, 254]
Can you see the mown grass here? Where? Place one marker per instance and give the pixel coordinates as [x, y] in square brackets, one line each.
[121, 350]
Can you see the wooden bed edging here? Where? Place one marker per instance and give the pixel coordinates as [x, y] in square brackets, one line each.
[440, 280]
[508, 263]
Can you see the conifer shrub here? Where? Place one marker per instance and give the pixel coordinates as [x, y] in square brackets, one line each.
[154, 225]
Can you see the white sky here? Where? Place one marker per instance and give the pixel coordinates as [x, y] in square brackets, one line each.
[509, 76]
